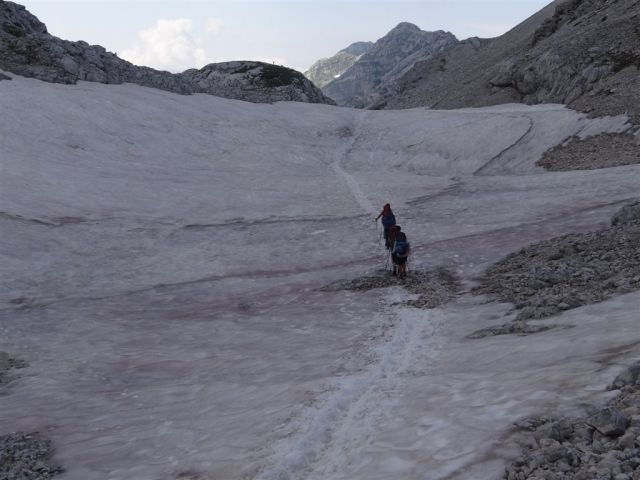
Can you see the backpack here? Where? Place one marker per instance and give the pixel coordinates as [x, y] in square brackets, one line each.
[388, 220]
[401, 248]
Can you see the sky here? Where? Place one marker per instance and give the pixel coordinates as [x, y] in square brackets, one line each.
[177, 35]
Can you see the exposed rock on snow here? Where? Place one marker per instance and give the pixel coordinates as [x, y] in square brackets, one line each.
[26, 48]
[385, 62]
[510, 328]
[584, 53]
[628, 377]
[627, 214]
[326, 70]
[605, 445]
[546, 278]
[435, 287]
[26, 456]
[599, 151]
[7, 365]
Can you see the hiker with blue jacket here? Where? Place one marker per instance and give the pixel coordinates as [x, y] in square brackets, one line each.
[400, 252]
[388, 221]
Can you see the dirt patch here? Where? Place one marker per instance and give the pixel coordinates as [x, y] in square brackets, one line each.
[600, 151]
[566, 272]
[434, 287]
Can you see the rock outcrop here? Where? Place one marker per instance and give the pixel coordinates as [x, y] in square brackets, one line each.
[584, 53]
[327, 70]
[563, 273]
[605, 444]
[386, 61]
[27, 49]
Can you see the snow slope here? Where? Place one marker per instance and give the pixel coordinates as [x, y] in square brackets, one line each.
[160, 263]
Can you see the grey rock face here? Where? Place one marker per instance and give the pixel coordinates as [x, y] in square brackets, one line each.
[385, 62]
[628, 214]
[27, 49]
[610, 422]
[326, 70]
[575, 52]
[253, 81]
[629, 377]
[546, 278]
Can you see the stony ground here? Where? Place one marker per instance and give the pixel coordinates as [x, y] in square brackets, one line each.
[434, 287]
[8, 365]
[511, 328]
[599, 151]
[23, 456]
[546, 278]
[26, 456]
[602, 445]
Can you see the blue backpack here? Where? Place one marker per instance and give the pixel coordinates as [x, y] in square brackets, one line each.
[401, 248]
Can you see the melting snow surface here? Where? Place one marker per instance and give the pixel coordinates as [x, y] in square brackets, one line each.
[161, 258]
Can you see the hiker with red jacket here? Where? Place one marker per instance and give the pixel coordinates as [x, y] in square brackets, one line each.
[388, 221]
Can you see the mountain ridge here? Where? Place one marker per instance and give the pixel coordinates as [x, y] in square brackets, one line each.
[387, 59]
[27, 49]
[583, 53]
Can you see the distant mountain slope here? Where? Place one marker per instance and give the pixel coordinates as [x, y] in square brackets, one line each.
[584, 53]
[27, 48]
[326, 70]
[385, 61]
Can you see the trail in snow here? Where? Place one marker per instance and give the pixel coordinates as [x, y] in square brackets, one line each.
[350, 180]
[330, 434]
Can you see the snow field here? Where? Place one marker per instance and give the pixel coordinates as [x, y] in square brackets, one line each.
[160, 263]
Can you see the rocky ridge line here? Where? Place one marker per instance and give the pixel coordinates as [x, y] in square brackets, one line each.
[583, 53]
[384, 62]
[326, 70]
[27, 49]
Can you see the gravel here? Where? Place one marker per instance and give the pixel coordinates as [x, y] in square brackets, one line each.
[599, 151]
[26, 456]
[602, 445]
[434, 287]
[546, 278]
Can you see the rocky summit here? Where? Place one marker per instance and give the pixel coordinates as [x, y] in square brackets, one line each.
[326, 70]
[27, 49]
[584, 53]
[379, 68]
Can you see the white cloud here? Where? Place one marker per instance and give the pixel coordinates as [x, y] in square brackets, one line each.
[167, 45]
[213, 25]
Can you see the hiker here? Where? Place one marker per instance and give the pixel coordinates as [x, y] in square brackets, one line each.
[388, 221]
[400, 253]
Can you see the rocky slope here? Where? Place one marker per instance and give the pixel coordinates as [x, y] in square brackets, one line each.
[26, 48]
[584, 53]
[385, 62]
[605, 443]
[326, 70]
